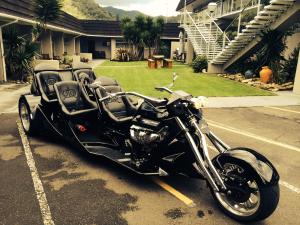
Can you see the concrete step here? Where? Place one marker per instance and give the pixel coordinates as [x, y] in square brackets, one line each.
[281, 2]
[275, 7]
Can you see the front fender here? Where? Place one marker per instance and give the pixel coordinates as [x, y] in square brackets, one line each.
[257, 162]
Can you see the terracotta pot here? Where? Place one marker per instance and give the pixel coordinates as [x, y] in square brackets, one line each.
[265, 74]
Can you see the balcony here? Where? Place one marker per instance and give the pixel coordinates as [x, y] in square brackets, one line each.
[228, 9]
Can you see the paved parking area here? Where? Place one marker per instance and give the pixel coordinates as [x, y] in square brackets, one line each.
[83, 189]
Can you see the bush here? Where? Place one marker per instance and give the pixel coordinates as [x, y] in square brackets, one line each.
[199, 64]
[123, 55]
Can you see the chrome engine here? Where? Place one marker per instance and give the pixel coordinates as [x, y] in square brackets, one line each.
[144, 136]
[144, 143]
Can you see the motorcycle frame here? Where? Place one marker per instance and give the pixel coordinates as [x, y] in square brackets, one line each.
[206, 166]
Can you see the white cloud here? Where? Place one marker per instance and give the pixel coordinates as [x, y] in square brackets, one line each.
[150, 7]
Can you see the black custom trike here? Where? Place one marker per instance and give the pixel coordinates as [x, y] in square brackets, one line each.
[149, 136]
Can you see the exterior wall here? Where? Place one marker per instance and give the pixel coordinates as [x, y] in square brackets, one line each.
[189, 53]
[77, 46]
[113, 46]
[146, 52]
[100, 46]
[291, 42]
[58, 45]
[175, 45]
[297, 78]
[70, 46]
[2, 61]
[46, 43]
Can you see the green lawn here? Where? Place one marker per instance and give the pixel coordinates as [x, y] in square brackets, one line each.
[135, 76]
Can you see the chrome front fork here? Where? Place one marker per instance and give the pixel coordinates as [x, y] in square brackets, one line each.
[206, 167]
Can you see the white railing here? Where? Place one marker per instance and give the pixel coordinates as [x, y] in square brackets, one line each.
[228, 7]
[207, 38]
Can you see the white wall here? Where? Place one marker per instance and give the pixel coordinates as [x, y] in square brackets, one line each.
[2, 61]
[291, 42]
[99, 47]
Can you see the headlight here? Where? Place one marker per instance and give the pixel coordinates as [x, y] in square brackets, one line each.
[199, 102]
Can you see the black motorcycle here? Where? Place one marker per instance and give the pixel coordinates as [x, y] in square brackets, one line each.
[149, 136]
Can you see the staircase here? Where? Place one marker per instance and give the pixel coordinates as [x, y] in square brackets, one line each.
[218, 50]
[204, 36]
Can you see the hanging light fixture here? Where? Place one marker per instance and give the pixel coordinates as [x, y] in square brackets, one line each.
[212, 7]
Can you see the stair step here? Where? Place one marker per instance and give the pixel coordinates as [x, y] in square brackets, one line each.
[275, 7]
[252, 31]
[269, 12]
[263, 17]
[253, 26]
[200, 32]
[282, 2]
[257, 22]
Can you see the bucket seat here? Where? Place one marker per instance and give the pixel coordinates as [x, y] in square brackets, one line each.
[73, 99]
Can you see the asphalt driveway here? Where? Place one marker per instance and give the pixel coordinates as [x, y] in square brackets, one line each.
[81, 189]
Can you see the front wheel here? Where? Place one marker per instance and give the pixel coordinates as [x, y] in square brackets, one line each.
[25, 116]
[247, 198]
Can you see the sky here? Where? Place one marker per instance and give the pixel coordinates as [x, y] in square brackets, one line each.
[149, 7]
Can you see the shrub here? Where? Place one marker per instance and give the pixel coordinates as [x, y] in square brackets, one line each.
[67, 60]
[19, 53]
[123, 55]
[199, 64]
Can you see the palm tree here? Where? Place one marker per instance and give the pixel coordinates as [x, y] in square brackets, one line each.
[142, 32]
[47, 10]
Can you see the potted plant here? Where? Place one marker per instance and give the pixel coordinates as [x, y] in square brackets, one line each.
[265, 74]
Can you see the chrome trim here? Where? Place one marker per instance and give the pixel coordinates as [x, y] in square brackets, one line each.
[197, 154]
[217, 142]
[131, 93]
[206, 155]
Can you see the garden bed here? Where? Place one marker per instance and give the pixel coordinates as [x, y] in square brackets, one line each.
[255, 82]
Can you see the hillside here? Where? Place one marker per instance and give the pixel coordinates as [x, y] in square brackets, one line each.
[120, 13]
[90, 9]
[86, 9]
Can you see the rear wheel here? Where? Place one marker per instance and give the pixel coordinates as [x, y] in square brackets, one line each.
[25, 116]
[247, 199]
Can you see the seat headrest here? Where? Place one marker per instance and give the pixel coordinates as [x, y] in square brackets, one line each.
[68, 92]
[106, 81]
[90, 73]
[48, 73]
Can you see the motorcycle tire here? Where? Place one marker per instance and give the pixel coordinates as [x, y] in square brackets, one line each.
[239, 208]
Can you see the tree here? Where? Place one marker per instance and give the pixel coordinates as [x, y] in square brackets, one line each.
[142, 32]
[158, 31]
[20, 53]
[46, 11]
[149, 35]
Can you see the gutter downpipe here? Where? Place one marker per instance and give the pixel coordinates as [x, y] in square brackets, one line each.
[2, 48]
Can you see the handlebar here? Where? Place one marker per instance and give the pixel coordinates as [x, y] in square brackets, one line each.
[163, 89]
[158, 101]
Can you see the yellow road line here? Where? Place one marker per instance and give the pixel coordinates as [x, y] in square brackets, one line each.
[286, 110]
[174, 192]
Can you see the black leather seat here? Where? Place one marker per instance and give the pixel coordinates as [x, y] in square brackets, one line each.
[85, 75]
[73, 100]
[46, 81]
[119, 110]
